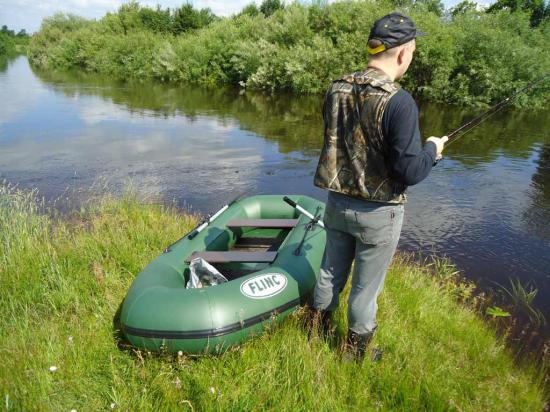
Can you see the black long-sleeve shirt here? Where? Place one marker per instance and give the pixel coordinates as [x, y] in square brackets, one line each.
[410, 162]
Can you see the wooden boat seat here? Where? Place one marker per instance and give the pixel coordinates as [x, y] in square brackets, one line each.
[228, 257]
[264, 223]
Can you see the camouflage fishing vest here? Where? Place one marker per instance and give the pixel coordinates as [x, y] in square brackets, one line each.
[355, 154]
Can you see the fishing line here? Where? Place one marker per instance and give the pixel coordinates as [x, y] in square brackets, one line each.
[466, 127]
[450, 142]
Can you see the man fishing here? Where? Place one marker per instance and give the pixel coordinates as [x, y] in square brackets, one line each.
[371, 153]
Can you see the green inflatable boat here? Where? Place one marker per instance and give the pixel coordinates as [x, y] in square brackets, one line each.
[265, 246]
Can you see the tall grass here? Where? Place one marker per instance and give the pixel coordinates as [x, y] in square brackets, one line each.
[62, 280]
[471, 58]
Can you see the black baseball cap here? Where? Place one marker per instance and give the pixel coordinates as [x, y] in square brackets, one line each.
[393, 30]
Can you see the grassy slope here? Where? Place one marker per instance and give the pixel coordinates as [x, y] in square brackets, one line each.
[62, 281]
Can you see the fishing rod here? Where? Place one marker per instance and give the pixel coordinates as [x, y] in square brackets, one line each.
[466, 127]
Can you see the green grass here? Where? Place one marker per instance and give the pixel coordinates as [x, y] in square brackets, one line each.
[62, 280]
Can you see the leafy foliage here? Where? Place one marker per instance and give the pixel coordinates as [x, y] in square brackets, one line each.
[250, 10]
[538, 9]
[65, 22]
[187, 18]
[268, 7]
[158, 20]
[464, 7]
[495, 311]
[470, 58]
[10, 42]
[431, 6]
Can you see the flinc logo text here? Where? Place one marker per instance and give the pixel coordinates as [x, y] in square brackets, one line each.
[264, 285]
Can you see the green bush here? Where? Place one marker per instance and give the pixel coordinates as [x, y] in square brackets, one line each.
[11, 43]
[64, 22]
[539, 10]
[269, 7]
[186, 18]
[159, 21]
[6, 44]
[470, 57]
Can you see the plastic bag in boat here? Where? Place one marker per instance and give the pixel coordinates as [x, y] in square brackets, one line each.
[203, 274]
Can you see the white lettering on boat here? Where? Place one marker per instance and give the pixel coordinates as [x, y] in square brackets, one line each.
[264, 285]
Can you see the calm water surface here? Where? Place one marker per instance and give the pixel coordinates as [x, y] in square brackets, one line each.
[486, 207]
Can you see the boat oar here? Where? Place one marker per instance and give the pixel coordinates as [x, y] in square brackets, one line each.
[204, 223]
[314, 219]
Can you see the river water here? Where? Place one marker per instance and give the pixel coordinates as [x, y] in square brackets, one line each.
[486, 206]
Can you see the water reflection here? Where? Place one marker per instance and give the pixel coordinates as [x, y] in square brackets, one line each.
[182, 144]
[486, 206]
[3, 63]
[295, 122]
[537, 215]
[507, 133]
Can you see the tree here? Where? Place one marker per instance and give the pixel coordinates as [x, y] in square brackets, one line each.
[433, 6]
[187, 18]
[250, 10]
[158, 20]
[7, 31]
[464, 7]
[538, 9]
[64, 22]
[268, 7]
[128, 15]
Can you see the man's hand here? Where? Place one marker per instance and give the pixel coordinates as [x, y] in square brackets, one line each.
[439, 144]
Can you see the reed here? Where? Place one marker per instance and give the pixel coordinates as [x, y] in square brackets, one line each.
[522, 298]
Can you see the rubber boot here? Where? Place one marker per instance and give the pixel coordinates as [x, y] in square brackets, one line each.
[321, 321]
[356, 344]
[325, 324]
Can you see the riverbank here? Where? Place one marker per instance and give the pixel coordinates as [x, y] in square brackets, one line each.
[470, 58]
[64, 278]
